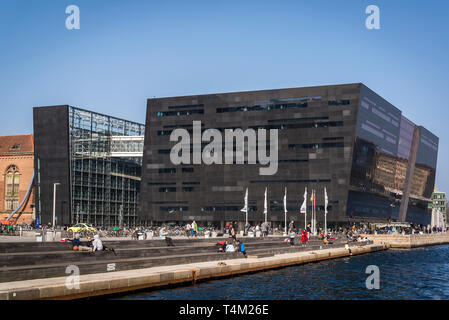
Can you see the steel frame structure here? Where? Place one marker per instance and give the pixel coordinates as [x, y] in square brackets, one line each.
[105, 163]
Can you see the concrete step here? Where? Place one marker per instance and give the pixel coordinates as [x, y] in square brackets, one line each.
[67, 255]
[10, 247]
[110, 263]
[260, 255]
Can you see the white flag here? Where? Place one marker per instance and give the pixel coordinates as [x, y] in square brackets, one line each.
[285, 201]
[304, 204]
[245, 208]
[325, 201]
[265, 208]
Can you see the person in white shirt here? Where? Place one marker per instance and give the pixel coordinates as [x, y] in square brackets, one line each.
[163, 235]
[188, 229]
[97, 243]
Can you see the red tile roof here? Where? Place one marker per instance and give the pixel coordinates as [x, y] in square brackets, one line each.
[16, 143]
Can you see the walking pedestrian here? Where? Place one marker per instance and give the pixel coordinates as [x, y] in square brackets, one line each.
[292, 236]
[188, 229]
[291, 225]
[232, 231]
[194, 229]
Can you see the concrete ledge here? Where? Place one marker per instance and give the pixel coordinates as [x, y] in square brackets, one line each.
[409, 241]
[122, 281]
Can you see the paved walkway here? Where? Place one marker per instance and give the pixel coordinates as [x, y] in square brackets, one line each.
[122, 281]
[33, 239]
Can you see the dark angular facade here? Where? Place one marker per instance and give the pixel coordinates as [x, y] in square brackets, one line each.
[342, 137]
[52, 162]
[76, 148]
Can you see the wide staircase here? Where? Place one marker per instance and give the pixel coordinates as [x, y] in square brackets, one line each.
[34, 260]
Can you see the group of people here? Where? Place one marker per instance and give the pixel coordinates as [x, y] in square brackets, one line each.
[264, 228]
[191, 229]
[92, 245]
[234, 246]
[304, 234]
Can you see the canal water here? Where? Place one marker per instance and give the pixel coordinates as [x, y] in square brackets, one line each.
[421, 273]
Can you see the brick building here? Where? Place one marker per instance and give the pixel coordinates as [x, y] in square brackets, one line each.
[16, 174]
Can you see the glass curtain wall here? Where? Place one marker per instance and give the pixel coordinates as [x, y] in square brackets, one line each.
[106, 163]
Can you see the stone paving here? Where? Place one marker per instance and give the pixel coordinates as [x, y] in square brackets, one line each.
[122, 281]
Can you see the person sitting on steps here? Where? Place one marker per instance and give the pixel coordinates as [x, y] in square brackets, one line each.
[77, 246]
[163, 236]
[240, 247]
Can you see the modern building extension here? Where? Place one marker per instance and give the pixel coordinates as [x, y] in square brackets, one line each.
[93, 161]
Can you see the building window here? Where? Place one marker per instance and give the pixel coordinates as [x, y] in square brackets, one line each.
[316, 145]
[338, 102]
[167, 170]
[12, 182]
[15, 147]
[173, 209]
[263, 107]
[167, 189]
[179, 113]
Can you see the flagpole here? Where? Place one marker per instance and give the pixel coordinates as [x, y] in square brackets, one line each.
[303, 208]
[311, 214]
[266, 205]
[285, 212]
[305, 218]
[314, 213]
[325, 211]
[245, 209]
[311, 218]
[314, 204]
[325, 223]
[246, 206]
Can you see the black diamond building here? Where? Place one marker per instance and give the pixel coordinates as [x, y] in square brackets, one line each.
[376, 164]
[96, 159]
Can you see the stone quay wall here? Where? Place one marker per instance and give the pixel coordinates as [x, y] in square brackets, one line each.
[409, 241]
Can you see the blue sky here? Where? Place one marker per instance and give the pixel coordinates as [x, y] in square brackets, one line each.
[128, 51]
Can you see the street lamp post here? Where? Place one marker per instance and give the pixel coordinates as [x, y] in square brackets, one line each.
[54, 207]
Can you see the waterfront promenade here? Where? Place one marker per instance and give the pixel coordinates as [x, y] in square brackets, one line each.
[30, 270]
[123, 281]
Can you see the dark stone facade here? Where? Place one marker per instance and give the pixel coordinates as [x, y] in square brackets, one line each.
[342, 137]
[52, 162]
[73, 147]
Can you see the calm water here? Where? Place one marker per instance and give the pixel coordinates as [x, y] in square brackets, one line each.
[404, 274]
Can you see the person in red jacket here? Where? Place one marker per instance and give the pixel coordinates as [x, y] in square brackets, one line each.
[304, 238]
